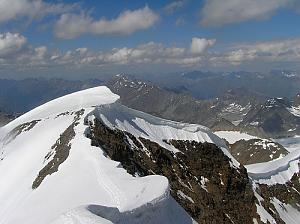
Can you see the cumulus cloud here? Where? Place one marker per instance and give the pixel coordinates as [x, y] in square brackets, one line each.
[11, 43]
[148, 53]
[16, 52]
[70, 26]
[174, 6]
[220, 12]
[199, 45]
[16, 9]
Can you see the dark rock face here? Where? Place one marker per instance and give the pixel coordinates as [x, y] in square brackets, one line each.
[60, 151]
[256, 151]
[201, 178]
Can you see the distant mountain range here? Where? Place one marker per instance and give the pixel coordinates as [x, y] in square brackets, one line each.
[236, 109]
[141, 95]
[246, 107]
[207, 85]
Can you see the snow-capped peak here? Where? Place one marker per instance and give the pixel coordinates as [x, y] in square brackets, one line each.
[51, 171]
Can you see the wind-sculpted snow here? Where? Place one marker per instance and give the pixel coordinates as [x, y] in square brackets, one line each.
[277, 171]
[86, 176]
[156, 129]
[166, 211]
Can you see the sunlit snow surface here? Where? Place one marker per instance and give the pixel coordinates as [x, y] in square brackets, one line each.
[234, 136]
[88, 187]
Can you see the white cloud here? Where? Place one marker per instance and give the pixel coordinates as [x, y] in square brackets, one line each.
[199, 45]
[11, 43]
[15, 53]
[73, 25]
[220, 12]
[174, 6]
[16, 9]
[148, 53]
[268, 52]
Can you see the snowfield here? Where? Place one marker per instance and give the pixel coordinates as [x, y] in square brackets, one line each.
[234, 136]
[87, 187]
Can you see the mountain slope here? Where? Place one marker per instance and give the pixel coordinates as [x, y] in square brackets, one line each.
[85, 158]
[231, 105]
[49, 157]
[54, 134]
[277, 117]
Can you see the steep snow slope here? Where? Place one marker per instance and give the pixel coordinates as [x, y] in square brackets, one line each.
[53, 136]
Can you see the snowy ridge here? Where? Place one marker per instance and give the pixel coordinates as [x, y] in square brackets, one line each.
[86, 178]
[71, 102]
[86, 173]
[156, 129]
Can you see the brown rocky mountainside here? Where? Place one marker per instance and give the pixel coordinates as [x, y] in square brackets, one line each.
[256, 151]
[202, 180]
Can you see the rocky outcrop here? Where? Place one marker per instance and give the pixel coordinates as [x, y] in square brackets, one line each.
[256, 151]
[19, 129]
[202, 179]
[59, 151]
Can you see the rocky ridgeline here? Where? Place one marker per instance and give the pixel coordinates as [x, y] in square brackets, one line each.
[202, 179]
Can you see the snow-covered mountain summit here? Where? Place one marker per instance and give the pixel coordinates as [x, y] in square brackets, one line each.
[50, 170]
[85, 158]
[49, 167]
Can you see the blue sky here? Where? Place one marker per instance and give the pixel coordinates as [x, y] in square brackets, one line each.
[60, 38]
